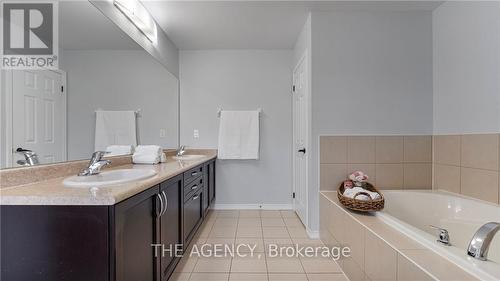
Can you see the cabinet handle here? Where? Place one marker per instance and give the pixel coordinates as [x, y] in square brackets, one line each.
[194, 174]
[161, 206]
[194, 187]
[166, 202]
[196, 197]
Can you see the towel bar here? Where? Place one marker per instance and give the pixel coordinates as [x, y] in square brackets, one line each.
[220, 110]
[137, 112]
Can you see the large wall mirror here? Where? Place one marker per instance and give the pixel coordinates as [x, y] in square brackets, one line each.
[108, 91]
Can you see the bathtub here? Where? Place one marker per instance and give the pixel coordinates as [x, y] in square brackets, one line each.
[411, 212]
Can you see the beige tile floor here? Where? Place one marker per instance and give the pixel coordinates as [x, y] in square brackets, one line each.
[258, 228]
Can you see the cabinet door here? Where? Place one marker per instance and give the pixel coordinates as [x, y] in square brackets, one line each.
[193, 214]
[135, 232]
[211, 181]
[170, 225]
[206, 198]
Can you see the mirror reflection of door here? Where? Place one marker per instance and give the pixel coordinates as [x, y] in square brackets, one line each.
[38, 115]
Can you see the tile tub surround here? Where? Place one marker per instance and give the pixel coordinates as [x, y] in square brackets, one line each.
[51, 191]
[379, 252]
[464, 164]
[255, 227]
[468, 165]
[392, 162]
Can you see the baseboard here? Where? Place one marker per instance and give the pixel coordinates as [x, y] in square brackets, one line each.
[313, 234]
[252, 207]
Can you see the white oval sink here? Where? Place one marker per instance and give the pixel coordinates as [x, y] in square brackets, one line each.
[189, 157]
[109, 178]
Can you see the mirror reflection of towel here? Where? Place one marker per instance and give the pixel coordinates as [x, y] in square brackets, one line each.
[114, 128]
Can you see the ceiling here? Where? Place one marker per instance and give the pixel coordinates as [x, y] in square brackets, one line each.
[83, 27]
[195, 25]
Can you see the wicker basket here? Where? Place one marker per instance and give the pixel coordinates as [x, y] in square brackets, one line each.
[361, 205]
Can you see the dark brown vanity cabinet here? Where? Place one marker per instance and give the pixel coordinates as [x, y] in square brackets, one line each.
[211, 181]
[171, 226]
[148, 233]
[209, 187]
[135, 229]
[106, 243]
[193, 203]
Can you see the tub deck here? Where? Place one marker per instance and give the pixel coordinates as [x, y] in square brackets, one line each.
[379, 251]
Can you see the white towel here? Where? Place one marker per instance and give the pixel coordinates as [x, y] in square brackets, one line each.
[114, 127]
[239, 135]
[146, 158]
[350, 192]
[114, 150]
[149, 149]
[147, 154]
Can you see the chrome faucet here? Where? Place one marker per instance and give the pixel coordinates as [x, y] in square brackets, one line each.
[444, 236]
[181, 150]
[480, 243]
[95, 164]
[30, 157]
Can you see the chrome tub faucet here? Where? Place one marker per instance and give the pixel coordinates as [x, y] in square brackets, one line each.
[480, 243]
[444, 236]
[95, 164]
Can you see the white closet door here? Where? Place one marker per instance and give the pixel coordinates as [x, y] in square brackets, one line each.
[300, 139]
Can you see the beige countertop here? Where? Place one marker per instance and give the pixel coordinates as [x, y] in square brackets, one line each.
[53, 192]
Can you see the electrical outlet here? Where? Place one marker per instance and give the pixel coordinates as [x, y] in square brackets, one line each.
[196, 134]
[163, 133]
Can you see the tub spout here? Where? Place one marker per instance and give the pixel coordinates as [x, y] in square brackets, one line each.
[480, 243]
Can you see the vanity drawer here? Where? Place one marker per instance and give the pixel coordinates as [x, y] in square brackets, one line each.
[192, 174]
[192, 187]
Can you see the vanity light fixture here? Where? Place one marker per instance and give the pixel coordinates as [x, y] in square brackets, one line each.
[139, 16]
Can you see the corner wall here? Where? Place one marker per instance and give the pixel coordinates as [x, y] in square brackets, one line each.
[466, 67]
[372, 75]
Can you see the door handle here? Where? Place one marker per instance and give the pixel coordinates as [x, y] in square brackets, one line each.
[166, 202]
[158, 214]
[303, 150]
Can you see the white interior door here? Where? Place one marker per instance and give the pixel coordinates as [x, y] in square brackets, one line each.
[300, 138]
[38, 115]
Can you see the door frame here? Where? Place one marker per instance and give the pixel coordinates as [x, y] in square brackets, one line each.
[9, 119]
[304, 59]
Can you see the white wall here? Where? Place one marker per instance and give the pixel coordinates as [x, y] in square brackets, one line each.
[371, 74]
[119, 80]
[466, 44]
[241, 80]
